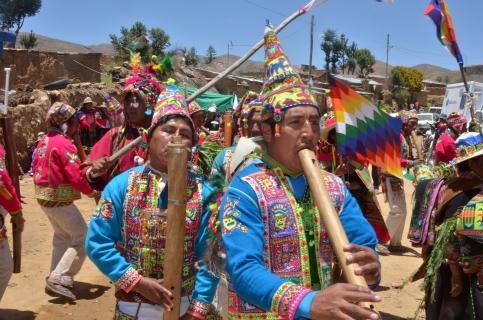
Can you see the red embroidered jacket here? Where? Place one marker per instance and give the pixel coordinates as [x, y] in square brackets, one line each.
[8, 196]
[57, 176]
[112, 141]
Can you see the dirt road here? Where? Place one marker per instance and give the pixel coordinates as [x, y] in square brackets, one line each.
[25, 298]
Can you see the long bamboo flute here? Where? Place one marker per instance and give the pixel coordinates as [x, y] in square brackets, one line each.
[337, 235]
[175, 229]
[228, 129]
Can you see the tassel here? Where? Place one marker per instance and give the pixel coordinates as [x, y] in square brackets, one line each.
[277, 130]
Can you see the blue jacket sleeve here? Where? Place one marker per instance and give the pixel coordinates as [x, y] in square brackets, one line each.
[358, 230]
[205, 282]
[356, 226]
[105, 231]
[242, 232]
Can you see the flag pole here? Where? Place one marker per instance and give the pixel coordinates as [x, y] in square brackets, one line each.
[308, 7]
[467, 89]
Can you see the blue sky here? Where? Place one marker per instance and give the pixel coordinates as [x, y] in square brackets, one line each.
[241, 22]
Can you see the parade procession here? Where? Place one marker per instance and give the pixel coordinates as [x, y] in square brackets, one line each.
[155, 183]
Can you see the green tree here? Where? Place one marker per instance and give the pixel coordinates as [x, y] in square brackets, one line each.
[351, 62]
[191, 57]
[410, 78]
[139, 39]
[365, 60]
[402, 98]
[14, 12]
[134, 39]
[159, 41]
[210, 54]
[327, 46]
[29, 41]
[407, 82]
[338, 52]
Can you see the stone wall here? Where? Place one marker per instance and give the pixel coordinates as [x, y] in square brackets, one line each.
[40, 68]
[29, 109]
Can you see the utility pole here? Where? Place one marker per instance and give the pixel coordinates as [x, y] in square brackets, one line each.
[311, 50]
[387, 62]
[228, 55]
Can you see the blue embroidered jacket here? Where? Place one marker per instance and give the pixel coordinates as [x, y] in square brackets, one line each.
[272, 260]
[126, 235]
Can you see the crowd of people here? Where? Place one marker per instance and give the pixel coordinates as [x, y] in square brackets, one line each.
[251, 219]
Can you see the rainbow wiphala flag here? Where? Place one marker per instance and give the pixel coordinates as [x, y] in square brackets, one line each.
[438, 11]
[364, 132]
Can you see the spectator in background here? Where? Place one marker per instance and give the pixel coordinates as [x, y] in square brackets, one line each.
[445, 149]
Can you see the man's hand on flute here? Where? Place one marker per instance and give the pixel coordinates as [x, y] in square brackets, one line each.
[340, 300]
[368, 264]
[154, 291]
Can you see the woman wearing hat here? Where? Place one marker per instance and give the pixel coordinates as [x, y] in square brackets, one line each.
[58, 183]
[454, 260]
[138, 98]
[93, 124]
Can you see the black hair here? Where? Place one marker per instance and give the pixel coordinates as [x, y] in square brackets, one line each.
[463, 167]
[170, 117]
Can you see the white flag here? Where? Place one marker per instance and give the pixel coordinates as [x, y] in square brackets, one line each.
[312, 4]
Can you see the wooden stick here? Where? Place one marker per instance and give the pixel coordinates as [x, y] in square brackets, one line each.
[80, 149]
[228, 128]
[175, 230]
[337, 235]
[213, 81]
[12, 168]
[467, 89]
[417, 145]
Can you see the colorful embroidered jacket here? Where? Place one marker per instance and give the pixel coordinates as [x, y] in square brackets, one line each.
[8, 196]
[445, 149]
[112, 141]
[465, 247]
[57, 177]
[126, 235]
[278, 251]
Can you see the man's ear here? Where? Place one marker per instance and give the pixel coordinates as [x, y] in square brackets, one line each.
[266, 129]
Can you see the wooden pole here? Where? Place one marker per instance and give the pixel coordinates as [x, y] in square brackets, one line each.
[337, 235]
[12, 168]
[228, 128]
[467, 89]
[229, 70]
[417, 145]
[175, 230]
[80, 149]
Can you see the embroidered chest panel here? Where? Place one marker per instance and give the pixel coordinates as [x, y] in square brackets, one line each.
[144, 227]
[286, 250]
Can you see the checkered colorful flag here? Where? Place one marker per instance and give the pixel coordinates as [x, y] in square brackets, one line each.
[364, 132]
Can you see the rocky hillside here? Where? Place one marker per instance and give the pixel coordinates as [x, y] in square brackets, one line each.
[255, 68]
[55, 45]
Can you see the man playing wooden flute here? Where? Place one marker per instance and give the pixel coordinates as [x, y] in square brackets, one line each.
[127, 234]
[278, 255]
